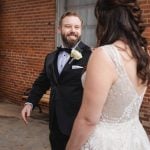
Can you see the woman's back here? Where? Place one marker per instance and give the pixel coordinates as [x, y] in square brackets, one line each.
[125, 97]
[119, 127]
[130, 65]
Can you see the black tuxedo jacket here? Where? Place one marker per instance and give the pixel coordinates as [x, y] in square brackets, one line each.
[66, 88]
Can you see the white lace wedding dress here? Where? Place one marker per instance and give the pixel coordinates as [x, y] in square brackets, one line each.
[119, 127]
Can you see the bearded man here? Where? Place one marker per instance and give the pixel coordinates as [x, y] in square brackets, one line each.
[62, 73]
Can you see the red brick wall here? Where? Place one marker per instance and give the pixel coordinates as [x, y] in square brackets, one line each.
[145, 109]
[27, 34]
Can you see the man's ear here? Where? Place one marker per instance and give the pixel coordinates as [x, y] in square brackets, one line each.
[59, 29]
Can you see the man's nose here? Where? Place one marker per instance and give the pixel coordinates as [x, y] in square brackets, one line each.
[73, 29]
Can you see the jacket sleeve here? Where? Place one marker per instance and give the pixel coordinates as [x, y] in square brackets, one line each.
[40, 86]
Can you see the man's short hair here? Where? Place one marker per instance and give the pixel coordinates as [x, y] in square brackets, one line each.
[69, 13]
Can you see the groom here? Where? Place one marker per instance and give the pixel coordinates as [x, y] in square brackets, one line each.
[62, 73]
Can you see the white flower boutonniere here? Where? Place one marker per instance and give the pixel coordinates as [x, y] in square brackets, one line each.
[75, 54]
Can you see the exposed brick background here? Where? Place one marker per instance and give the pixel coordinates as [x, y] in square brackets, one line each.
[27, 34]
[145, 109]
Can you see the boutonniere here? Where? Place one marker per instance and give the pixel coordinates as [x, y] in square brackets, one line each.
[75, 54]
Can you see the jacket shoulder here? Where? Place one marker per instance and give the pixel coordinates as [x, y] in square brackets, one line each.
[51, 54]
[50, 57]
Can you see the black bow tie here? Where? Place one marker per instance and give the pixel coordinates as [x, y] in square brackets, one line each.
[68, 50]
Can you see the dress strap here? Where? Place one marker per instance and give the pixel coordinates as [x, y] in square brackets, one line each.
[114, 55]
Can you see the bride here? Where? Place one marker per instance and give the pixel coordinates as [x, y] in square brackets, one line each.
[116, 79]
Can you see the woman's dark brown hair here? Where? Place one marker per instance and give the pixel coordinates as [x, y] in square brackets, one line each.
[121, 20]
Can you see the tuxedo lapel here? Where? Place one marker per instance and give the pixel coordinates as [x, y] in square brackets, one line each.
[54, 68]
[80, 47]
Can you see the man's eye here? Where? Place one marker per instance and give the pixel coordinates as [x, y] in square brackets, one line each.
[77, 27]
[67, 26]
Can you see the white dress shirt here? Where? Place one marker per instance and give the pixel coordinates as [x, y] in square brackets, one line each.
[63, 57]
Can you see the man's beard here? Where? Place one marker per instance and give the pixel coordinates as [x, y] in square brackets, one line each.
[69, 43]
